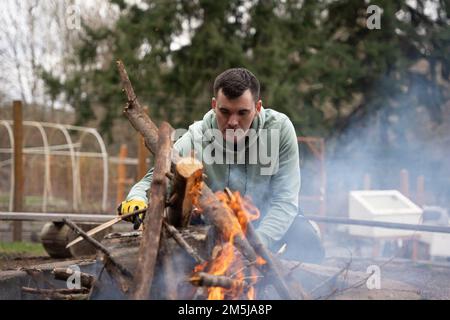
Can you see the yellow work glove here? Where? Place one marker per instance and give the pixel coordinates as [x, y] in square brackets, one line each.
[130, 206]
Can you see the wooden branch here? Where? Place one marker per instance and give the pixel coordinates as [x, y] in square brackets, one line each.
[59, 294]
[124, 283]
[86, 279]
[203, 279]
[332, 278]
[271, 269]
[141, 121]
[51, 291]
[176, 235]
[99, 246]
[148, 250]
[186, 187]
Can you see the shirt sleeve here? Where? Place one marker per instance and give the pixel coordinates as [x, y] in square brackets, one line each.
[284, 188]
[139, 190]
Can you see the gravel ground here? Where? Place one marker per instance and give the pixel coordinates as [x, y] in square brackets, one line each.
[432, 280]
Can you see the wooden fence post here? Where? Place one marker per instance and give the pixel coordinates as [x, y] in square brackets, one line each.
[18, 168]
[121, 173]
[404, 182]
[420, 194]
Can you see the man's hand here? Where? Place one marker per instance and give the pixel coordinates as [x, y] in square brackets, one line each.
[130, 206]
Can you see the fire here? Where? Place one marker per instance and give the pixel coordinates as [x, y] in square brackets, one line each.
[228, 262]
[196, 188]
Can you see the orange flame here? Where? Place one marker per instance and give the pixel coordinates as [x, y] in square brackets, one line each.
[228, 260]
[195, 190]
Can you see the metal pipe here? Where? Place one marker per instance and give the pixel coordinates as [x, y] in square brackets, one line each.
[55, 217]
[380, 224]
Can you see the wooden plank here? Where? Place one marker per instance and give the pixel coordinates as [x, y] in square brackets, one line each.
[18, 168]
[55, 217]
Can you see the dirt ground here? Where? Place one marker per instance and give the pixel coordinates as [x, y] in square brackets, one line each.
[431, 280]
[19, 260]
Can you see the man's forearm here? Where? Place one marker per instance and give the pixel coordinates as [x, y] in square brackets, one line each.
[139, 190]
[277, 221]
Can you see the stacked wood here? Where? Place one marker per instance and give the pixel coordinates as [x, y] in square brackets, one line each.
[187, 176]
[87, 282]
[172, 285]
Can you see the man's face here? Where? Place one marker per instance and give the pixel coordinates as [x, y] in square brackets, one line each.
[235, 116]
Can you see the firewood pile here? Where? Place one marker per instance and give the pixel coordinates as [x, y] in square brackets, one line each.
[231, 262]
[172, 258]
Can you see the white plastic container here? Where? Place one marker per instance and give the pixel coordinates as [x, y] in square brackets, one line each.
[439, 243]
[385, 206]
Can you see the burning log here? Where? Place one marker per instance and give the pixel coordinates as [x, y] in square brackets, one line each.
[86, 279]
[225, 222]
[270, 269]
[148, 250]
[203, 279]
[186, 186]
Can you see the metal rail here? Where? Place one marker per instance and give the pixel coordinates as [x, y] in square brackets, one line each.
[380, 224]
[55, 217]
[101, 218]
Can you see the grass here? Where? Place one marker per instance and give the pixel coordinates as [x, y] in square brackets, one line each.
[28, 248]
[34, 202]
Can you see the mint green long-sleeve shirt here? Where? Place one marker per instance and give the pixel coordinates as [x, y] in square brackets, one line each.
[266, 168]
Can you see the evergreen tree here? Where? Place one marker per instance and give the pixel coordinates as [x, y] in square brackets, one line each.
[317, 60]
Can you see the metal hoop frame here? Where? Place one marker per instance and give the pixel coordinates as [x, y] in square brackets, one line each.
[47, 150]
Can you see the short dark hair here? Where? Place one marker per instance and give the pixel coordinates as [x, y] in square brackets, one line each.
[235, 81]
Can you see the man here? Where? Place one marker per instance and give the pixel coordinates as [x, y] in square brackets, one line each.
[251, 150]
